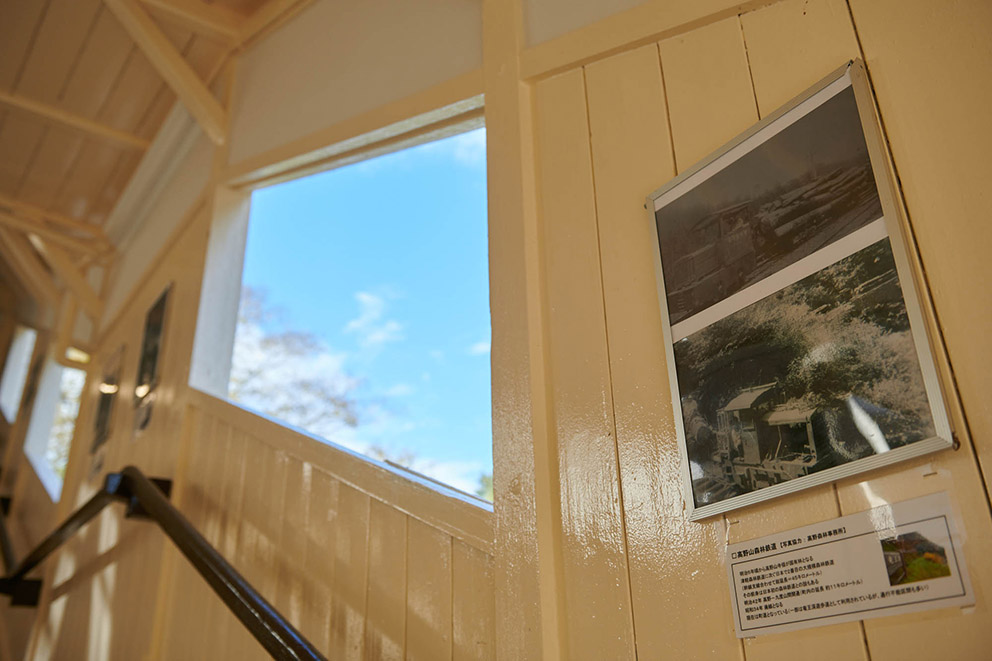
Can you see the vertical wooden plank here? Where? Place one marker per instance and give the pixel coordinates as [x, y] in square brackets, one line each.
[924, 62]
[632, 155]
[709, 89]
[711, 100]
[187, 582]
[597, 598]
[385, 626]
[168, 596]
[473, 604]
[428, 594]
[292, 550]
[792, 45]
[319, 562]
[935, 110]
[231, 501]
[528, 567]
[216, 612]
[269, 515]
[350, 574]
[255, 552]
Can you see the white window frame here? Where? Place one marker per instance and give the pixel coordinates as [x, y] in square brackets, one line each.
[15, 371]
[39, 431]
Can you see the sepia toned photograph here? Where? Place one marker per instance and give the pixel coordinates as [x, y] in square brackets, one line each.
[821, 373]
[806, 186]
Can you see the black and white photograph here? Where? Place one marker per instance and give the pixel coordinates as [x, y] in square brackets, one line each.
[151, 348]
[735, 223]
[819, 374]
[795, 338]
[108, 389]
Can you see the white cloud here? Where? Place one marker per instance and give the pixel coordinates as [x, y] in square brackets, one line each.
[470, 148]
[480, 348]
[462, 475]
[372, 329]
[399, 390]
[371, 306]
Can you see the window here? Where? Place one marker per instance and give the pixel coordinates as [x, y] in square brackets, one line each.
[53, 422]
[365, 309]
[15, 371]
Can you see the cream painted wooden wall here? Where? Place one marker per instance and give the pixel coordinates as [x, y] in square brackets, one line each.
[646, 97]
[589, 554]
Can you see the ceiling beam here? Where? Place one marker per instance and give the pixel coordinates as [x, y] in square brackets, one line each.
[172, 67]
[29, 268]
[209, 20]
[73, 278]
[84, 246]
[28, 211]
[10, 282]
[72, 120]
[65, 324]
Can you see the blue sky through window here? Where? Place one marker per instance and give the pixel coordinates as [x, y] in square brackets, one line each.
[385, 264]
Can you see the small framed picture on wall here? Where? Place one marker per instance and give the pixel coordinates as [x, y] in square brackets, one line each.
[107, 392]
[149, 360]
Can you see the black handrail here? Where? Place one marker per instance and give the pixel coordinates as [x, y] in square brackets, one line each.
[148, 498]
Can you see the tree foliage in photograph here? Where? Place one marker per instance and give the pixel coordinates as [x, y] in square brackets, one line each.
[840, 333]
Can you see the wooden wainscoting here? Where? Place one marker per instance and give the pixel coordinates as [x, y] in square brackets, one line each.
[366, 562]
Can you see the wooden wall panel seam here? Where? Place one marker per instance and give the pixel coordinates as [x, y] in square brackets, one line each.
[26, 171]
[625, 550]
[617, 34]
[939, 345]
[832, 509]
[668, 115]
[750, 71]
[30, 47]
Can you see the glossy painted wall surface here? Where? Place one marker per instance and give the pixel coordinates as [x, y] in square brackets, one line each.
[590, 554]
[639, 580]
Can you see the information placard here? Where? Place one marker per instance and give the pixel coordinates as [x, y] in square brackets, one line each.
[896, 558]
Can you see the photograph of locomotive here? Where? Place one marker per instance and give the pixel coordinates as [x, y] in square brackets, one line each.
[795, 342]
[803, 188]
[821, 373]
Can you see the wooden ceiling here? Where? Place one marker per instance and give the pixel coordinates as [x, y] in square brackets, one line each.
[85, 85]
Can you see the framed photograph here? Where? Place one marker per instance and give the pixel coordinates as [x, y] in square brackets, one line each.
[149, 358]
[108, 390]
[794, 335]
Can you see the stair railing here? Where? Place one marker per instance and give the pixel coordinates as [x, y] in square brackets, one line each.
[148, 498]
